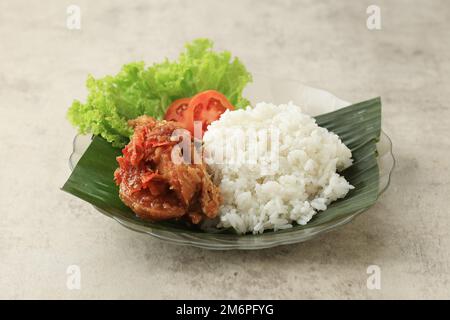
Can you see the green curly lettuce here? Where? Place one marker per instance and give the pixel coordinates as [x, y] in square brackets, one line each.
[137, 90]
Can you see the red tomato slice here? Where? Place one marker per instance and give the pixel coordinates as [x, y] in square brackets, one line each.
[207, 106]
[177, 112]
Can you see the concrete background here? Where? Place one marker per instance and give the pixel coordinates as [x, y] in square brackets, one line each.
[326, 44]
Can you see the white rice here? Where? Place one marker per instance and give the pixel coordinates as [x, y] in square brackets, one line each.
[258, 197]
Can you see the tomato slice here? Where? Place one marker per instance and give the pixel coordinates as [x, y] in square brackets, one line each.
[177, 112]
[207, 106]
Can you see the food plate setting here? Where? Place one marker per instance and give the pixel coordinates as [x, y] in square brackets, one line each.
[271, 161]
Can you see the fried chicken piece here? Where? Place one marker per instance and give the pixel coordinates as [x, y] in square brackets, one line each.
[153, 186]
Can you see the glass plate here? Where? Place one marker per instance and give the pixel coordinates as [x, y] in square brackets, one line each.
[314, 102]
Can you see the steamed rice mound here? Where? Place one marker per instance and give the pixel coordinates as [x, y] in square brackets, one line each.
[275, 192]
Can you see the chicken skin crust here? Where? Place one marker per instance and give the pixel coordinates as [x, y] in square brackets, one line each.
[155, 187]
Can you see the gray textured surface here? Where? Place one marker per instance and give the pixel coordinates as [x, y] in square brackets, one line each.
[325, 44]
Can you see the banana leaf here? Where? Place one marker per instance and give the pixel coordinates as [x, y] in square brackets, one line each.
[358, 126]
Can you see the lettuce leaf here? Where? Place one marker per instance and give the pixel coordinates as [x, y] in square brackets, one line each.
[138, 90]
